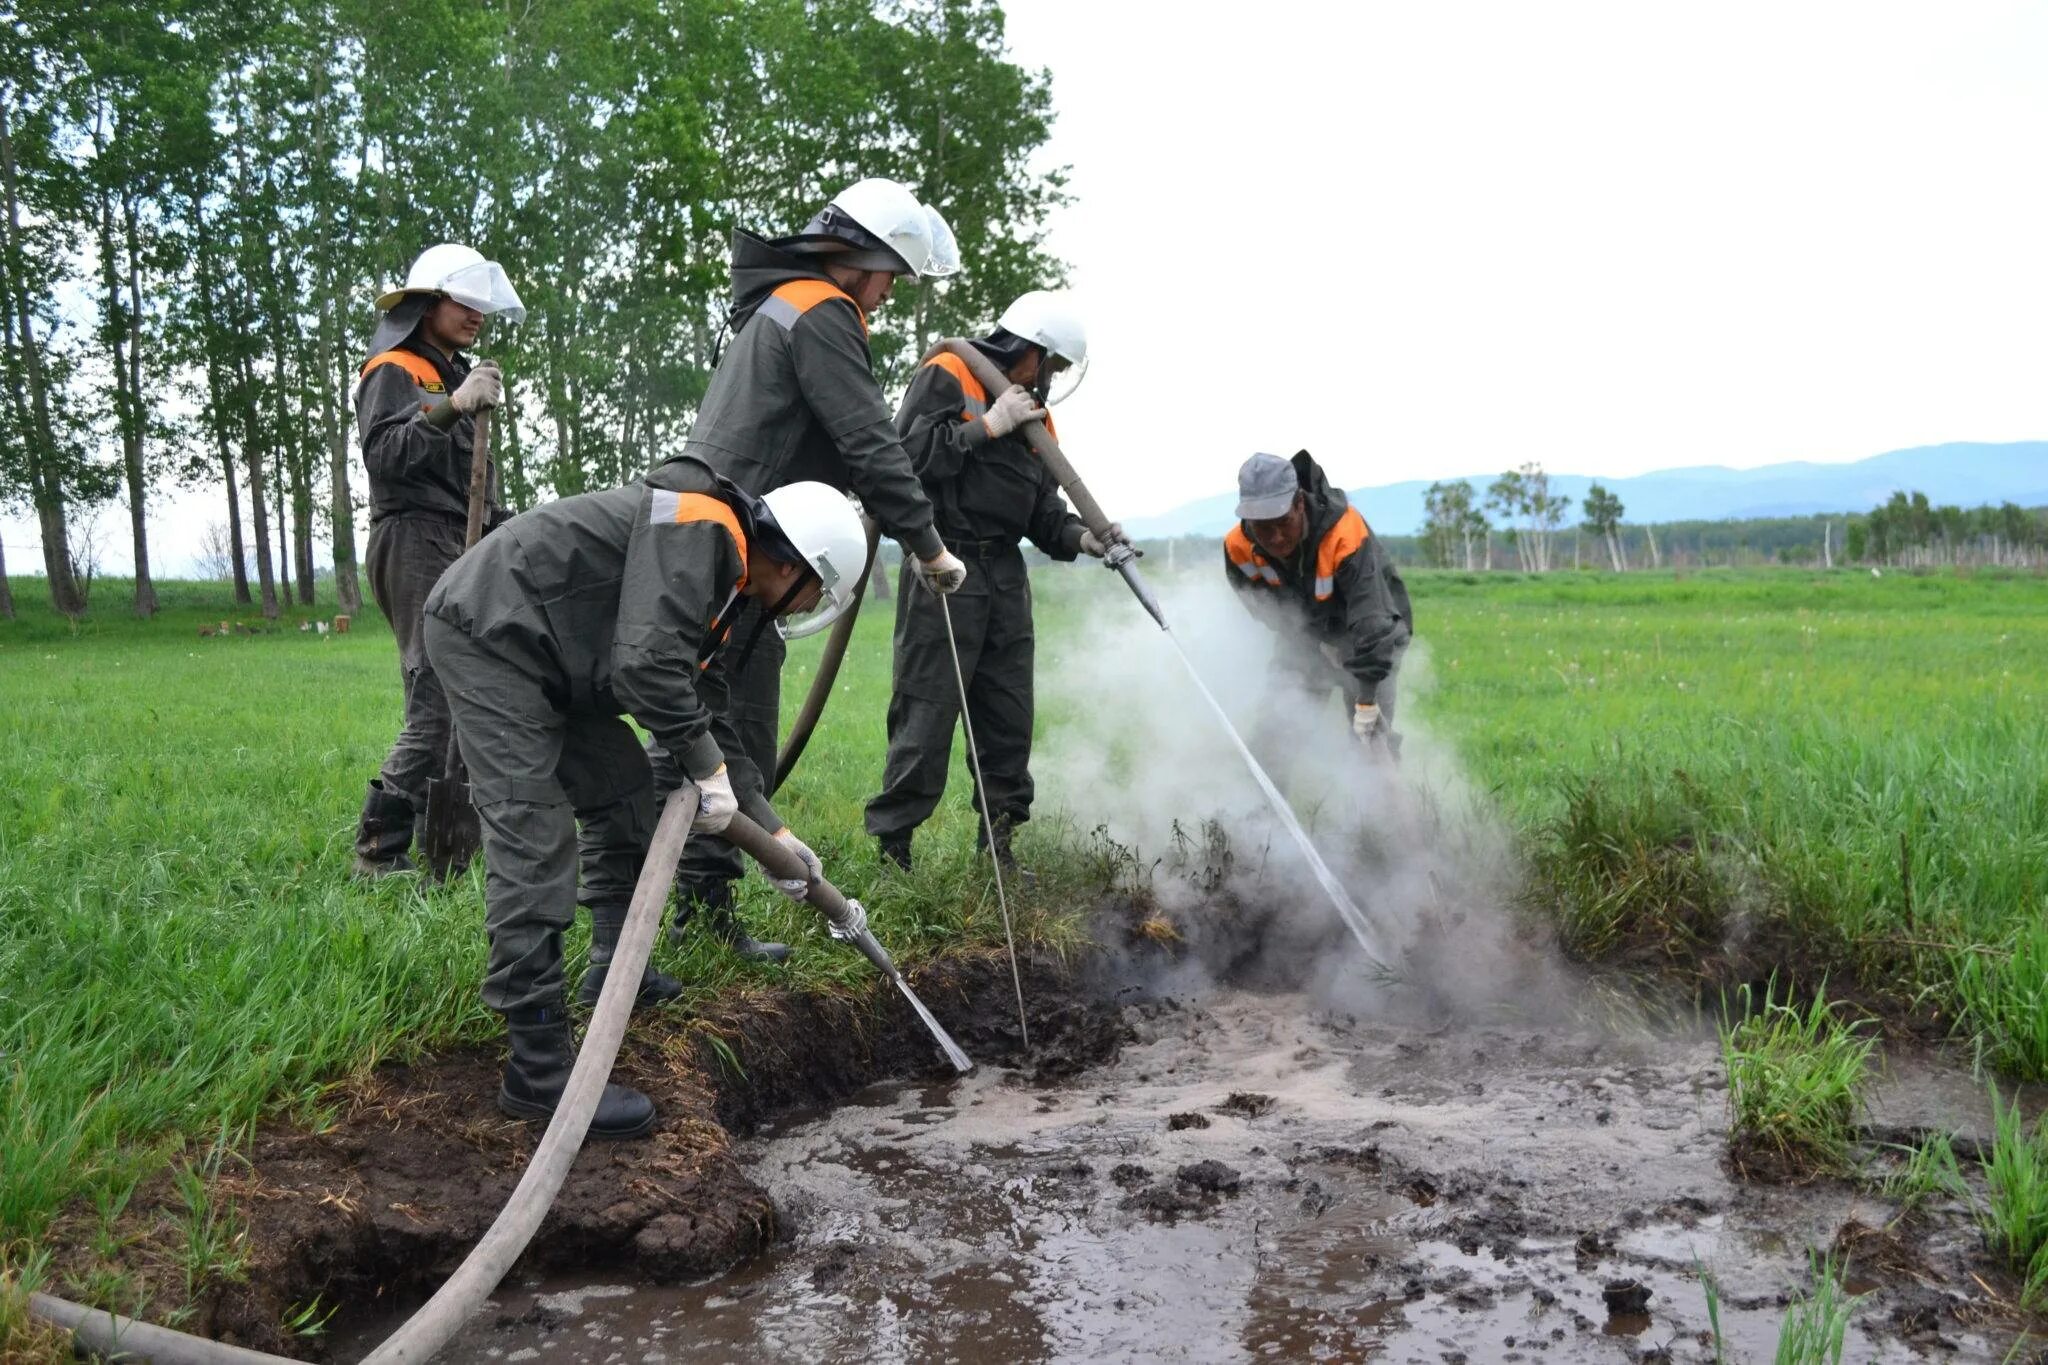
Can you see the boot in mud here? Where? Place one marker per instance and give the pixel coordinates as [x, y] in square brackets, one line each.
[656, 987]
[895, 850]
[538, 1071]
[384, 834]
[712, 902]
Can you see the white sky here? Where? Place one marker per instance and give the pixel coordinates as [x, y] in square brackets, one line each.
[1428, 239]
[1444, 238]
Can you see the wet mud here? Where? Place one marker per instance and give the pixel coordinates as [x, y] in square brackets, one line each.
[1255, 1176]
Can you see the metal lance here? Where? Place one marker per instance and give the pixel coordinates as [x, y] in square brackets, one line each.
[1123, 558]
[781, 863]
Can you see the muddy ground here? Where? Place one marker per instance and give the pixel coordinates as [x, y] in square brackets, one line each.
[1175, 1171]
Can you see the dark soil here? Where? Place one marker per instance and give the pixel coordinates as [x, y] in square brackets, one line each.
[386, 1201]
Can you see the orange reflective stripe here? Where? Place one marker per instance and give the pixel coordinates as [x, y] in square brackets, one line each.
[418, 366]
[1340, 542]
[799, 297]
[969, 385]
[682, 508]
[1238, 548]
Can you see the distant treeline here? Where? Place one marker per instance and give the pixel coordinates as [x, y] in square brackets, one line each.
[1907, 531]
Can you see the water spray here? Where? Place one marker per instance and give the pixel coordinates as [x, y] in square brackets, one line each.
[1121, 556]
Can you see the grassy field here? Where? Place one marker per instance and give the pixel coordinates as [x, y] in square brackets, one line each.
[1852, 772]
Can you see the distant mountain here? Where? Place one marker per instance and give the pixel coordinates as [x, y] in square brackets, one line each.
[1963, 473]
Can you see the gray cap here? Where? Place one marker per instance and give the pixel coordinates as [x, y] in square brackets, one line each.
[1266, 486]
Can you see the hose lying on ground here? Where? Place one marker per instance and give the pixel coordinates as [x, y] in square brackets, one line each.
[431, 1328]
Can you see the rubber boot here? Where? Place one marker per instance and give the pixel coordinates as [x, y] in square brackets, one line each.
[713, 901]
[606, 924]
[895, 849]
[538, 1071]
[384, 834]
[1006, 859]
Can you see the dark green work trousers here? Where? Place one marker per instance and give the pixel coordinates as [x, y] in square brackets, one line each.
[535, 773]
[750, 698]
[408, 554]
[992, 624]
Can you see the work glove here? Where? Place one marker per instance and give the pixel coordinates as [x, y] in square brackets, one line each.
[485, 388]
[943, 573]
[716, 805]
[798, 890]
[1092, 544]
[850, 926]
[1013, 409]
[1365, 721]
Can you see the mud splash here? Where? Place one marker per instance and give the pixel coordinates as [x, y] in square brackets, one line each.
[1254, 1177]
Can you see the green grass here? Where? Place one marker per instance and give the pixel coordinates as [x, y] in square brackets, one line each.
[1795, 1079]
[1930, 1171]
[1848, 775]
[1817, 1323]
[2014, 1214]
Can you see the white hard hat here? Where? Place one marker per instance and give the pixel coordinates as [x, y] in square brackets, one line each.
[822, 524]
[462, 273]
[1048, 317]
[912, 237]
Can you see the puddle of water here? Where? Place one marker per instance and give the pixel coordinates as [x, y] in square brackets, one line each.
[1399, 1200]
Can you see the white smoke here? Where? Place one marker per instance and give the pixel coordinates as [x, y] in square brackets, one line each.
[1132, 750]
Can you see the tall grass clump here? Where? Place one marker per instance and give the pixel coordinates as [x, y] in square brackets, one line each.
[1795, 1083]
[2015, 1211]
[2001, 994]
[1930, 1170]
[1816, 1327]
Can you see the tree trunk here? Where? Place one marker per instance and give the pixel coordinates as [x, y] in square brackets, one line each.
[216, 391]
[1827, 547]
[252, 453]
[6, 588]
[1650, 534]
[138, 414]
[46, 484]
[341, 502]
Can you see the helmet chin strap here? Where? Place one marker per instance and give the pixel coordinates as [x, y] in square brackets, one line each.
[803, 580]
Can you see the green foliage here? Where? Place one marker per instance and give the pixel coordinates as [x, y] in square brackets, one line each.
[2002, 992]
[2015, 1212]
[1795, 1079]
[1929, 1171]
[1816, 1325]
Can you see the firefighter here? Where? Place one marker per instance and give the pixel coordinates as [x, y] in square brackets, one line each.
[795, 397]
[586, 610]
[1304, 561]
[989, 492]
[416, 406]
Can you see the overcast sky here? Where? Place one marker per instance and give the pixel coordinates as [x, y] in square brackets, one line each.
[1444, 238]
[1438, 239]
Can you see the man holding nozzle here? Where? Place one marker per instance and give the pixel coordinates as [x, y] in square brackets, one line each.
[795, 397]
[416, 406]
[1304, 561]
[589, 609]
[989, 492]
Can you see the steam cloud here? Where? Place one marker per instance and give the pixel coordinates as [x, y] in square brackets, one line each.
[1134, 751]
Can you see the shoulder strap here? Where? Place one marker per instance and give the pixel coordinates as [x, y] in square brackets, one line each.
[418, 366]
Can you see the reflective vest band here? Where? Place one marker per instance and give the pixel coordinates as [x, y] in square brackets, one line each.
[1238, 547]
[1340, 542]
[418, 366]
[799, 297]
[970, 387]
[680, 509]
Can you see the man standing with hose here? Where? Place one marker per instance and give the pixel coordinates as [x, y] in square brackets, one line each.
[583, 611]
[989, 492]
[1305, 563]
[795, 397]
[416, 407]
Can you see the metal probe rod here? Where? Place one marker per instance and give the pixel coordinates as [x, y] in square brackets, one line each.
[988, 823]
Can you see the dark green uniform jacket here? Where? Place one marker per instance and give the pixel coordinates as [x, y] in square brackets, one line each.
[415, 466]
[615, 601]
[794, 397]
[1338, 591]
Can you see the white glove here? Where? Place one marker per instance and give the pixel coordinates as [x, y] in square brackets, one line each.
[1365, 721]
[485, 388]
[944, 573]
[1013, 409]
[798, 890]
[716, 805]
[1092, 544]
[850, 927]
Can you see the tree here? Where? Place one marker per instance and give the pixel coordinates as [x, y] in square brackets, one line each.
[1603, 518]
[1454, 525]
